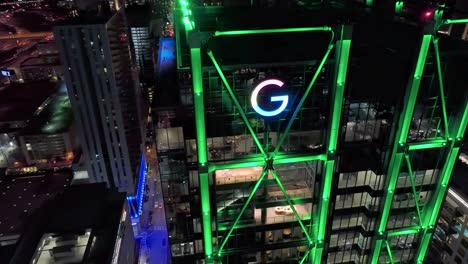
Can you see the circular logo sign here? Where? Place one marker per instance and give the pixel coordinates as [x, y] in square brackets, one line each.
[281, 98]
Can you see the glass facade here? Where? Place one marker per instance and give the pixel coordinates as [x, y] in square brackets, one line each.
[349, 172]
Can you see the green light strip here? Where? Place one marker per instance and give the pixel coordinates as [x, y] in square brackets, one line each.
[260, 161]
[305, 257]
[405, 231]
[463, 124]
[341, 65]
[413, 187]
[301, 102]
[435, 42]
[291, 205]
[206, 215]
[389, 250]
[455, 21]
[428, 144]
[270, 31]
[252, 193]
[339, 92]
[237, 104]
[423, 246]
[329, 169]
[176, 32]
[198, 101]
[197, 77]
[432, 208]
[286, 160]
[398, 7]
[400, 141]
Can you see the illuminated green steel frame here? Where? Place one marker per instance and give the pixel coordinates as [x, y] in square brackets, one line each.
[401, 150]
[315, 235]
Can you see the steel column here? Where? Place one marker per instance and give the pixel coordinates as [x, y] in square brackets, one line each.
[432, 209]
[397, 155]
[343, 46]
[198, 103]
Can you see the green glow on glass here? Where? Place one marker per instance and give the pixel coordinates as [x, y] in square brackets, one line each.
[252, 193]
[186, 15]
[237, 104]
[177, 38]
[401, 137]
[428, 144]
[270, 31]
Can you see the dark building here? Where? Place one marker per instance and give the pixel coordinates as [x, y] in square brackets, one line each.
[309, 132]
[142, 45]
[105, 96]
[19, 105]
[85, 224]
[21, 197]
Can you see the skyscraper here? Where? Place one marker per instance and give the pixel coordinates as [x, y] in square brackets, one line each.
[320, 134]
[139, 21]
[104, 96]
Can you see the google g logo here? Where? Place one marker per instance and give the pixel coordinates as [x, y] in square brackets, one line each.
[281, 98]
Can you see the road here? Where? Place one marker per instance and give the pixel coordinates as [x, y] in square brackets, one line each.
[155, 247]
[35, 35]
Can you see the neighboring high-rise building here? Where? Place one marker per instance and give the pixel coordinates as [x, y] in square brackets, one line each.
[83, 224]
[48, 140]
[142, 45]
[105, 99]
[318, 134]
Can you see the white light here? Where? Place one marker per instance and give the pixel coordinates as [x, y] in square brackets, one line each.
[283, 98]
[458, 198]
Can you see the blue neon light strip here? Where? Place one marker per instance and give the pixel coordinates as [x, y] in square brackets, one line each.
[137, 199]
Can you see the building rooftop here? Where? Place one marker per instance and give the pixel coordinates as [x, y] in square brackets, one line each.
[21, 196]
[93, 16]
[41, 60]
[138, 15]
[88, 213]
[18, 102]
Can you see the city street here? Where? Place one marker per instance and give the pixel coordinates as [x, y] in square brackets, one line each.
[155, 247]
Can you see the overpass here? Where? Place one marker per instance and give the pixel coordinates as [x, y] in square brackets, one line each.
[31, 35]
